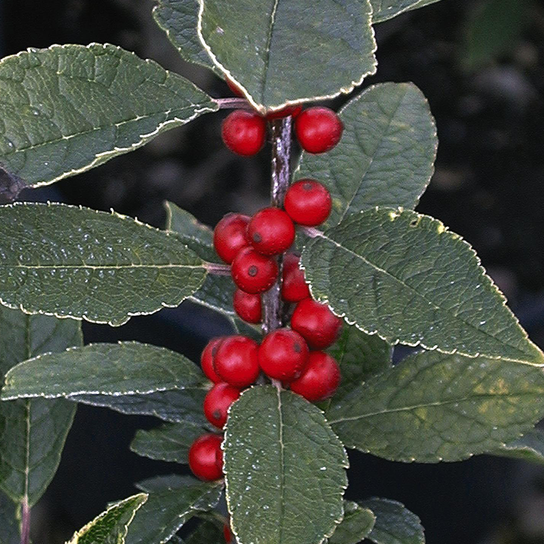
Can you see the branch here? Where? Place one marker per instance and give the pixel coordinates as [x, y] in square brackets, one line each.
[281, 177]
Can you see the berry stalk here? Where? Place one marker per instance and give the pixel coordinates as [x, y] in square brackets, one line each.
[281, 177]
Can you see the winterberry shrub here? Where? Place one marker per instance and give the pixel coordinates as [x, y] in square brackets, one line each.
[364, 273]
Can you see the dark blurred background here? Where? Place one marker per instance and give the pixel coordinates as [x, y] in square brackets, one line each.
[481, 65]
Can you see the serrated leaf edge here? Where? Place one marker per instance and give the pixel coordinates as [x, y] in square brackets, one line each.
[344, 465]
[441, 230]
[261, 109]
[139, 498]
[204, 385]
[409, 86]
[144, 138]
[113, 323]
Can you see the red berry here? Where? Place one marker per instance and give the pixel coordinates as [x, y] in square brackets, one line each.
[244, 132]
[293, 287]
[206, 457]
[236, 361]
[308, 202]
[253, 272]
[319, 326]
[320, 378]
[218, 401]
[271, 231]
[293, 111]
[248, 306]
[283, 355]
[206, 359]
[234, 88]
[318, 129]
[229, 236]
[227, 534]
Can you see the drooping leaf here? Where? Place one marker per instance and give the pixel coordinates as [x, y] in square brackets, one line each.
[69, 108]
[254, 42]
[206, 533]
[172, 501]
[395, 524]
[170, 442]
[284, 469]
[360, 356]
[125, 368]
[111, 526]
[408, 278]
[529, 447]
[32, 432]
[386, 154]
[103, 267]
[9, 527]
[492, 30]
[387, 9]
[179, 18]
[172, 405]
[355, 526]
[433, 407]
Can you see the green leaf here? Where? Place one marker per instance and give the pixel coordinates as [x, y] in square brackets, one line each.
[355, 526]
[284, 469]
[32, 432]
[80, 263]
[170, 442]
[172, 405]
[125, 368]
[437, 407]
[530, 447]
[395, 524]
[387, 9]
[492, 30]
[111, 526]
[69, 108]
[386, 154]
[360, 356]
[408, 278]
[193, 234]
[206, 533]
[9, 527]
[254, 42]
[179, 18]
[172, 501]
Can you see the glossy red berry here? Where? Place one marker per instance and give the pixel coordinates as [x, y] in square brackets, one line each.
[271, 231]
[293, 287]
[248, 307]
[236, 361]
[217, 403]
[319, 326]
[318, 129]
[206, 457]
[229, 236]
[206, 359]
[253, 272]
[308, 203]
[320, 379]
[283, 355]
[244, 132]
[293, 111]
[234, 88]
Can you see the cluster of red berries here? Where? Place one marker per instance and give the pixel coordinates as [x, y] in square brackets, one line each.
[318, 129]
[252, 246]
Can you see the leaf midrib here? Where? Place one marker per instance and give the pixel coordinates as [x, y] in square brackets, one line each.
[431, 405]
[434, 305]
[372, 156]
